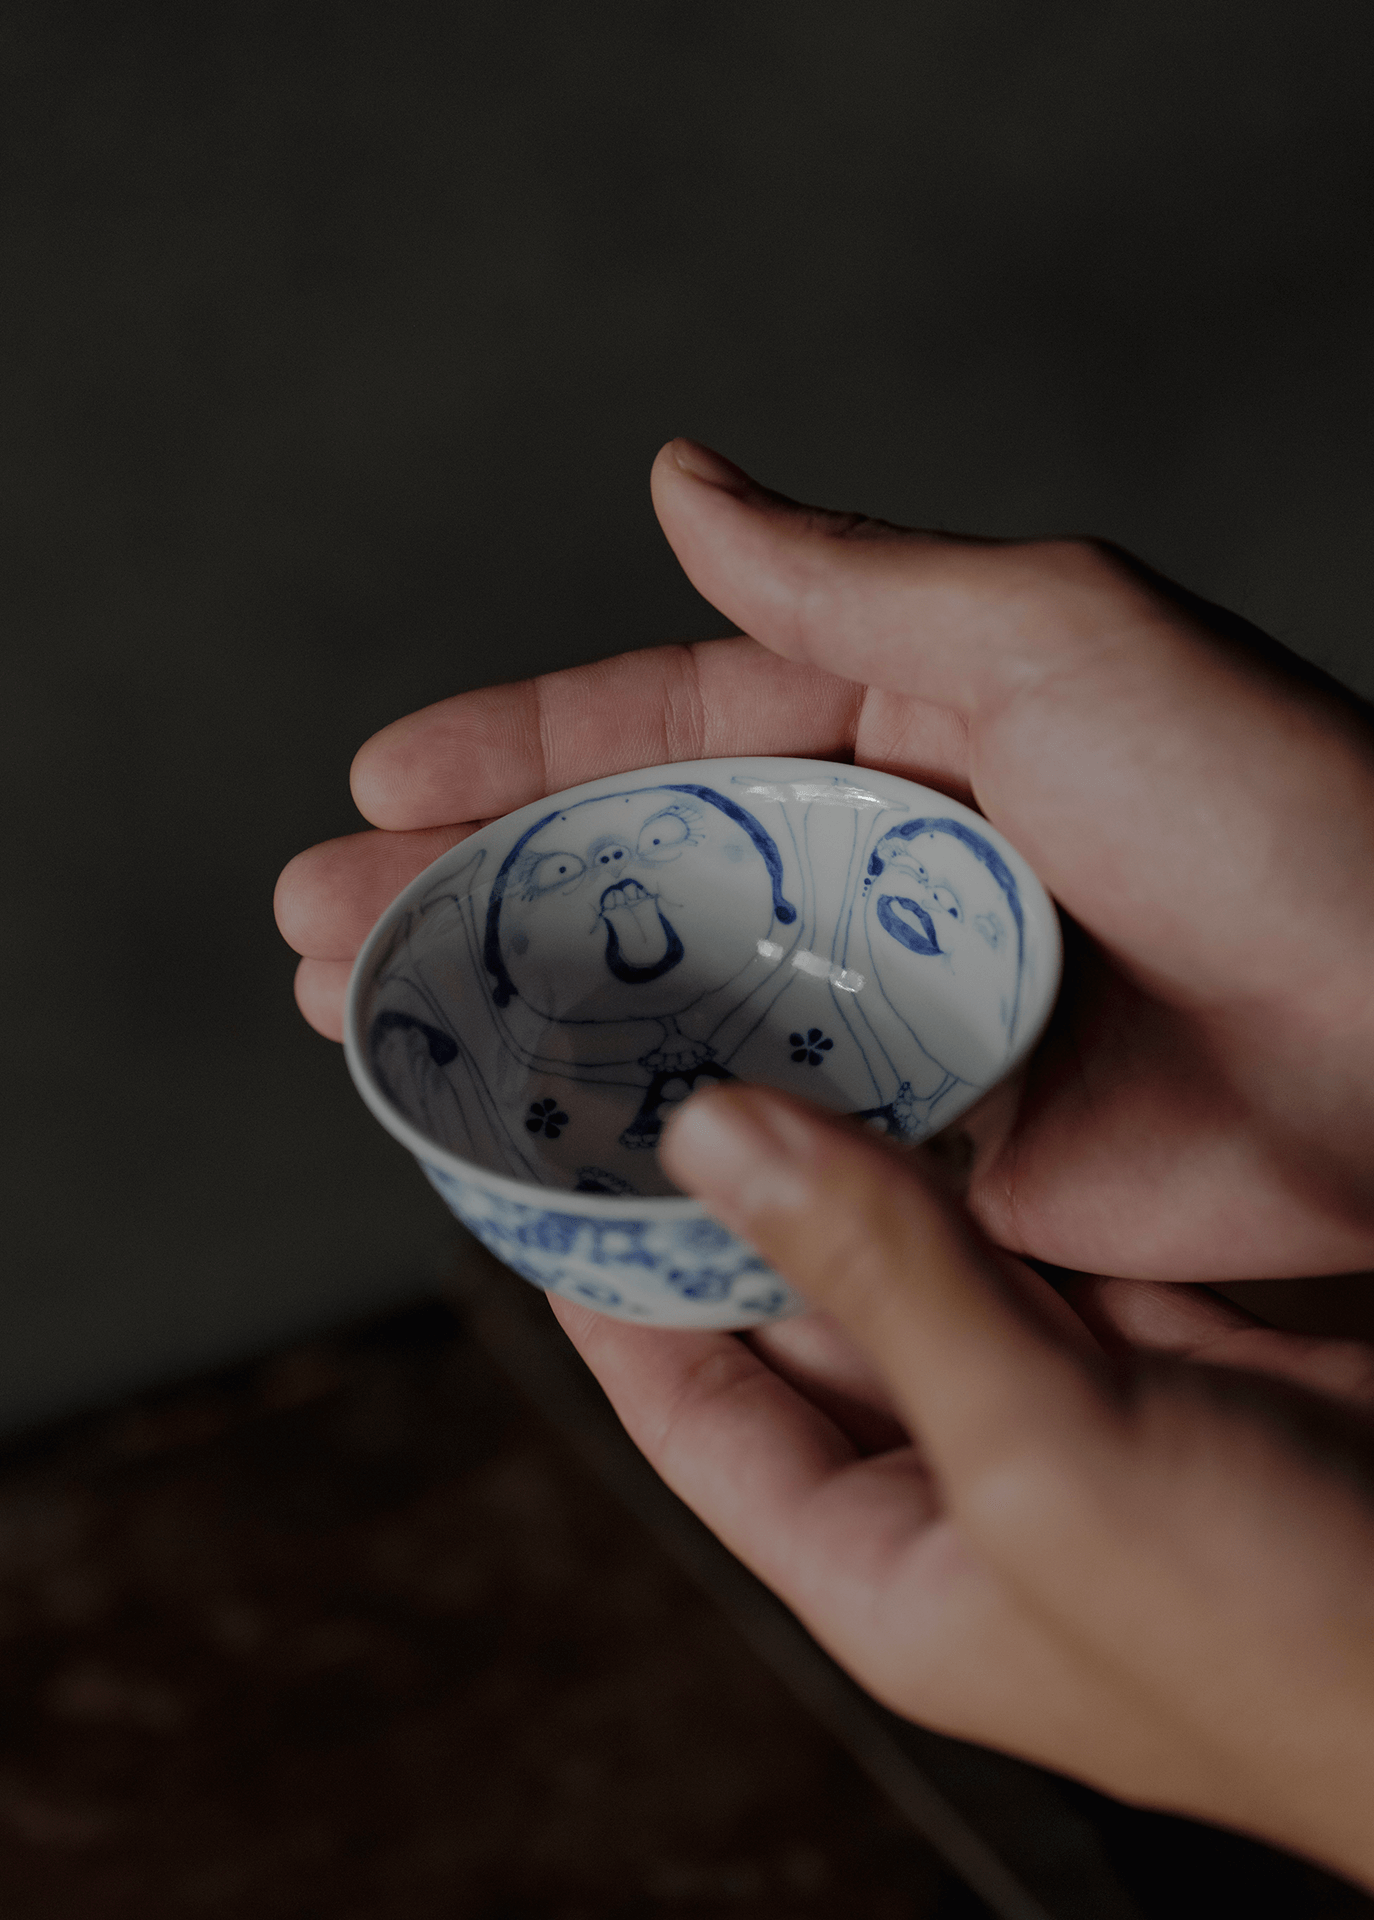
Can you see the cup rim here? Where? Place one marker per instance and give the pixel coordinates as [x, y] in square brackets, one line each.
[667, 1208]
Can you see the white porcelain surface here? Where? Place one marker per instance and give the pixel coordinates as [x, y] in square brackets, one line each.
[526, 1014]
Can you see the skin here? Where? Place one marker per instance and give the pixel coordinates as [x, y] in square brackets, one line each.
[1118, 1527]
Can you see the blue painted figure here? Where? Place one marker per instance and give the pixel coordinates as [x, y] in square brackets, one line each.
[940, 896]
[608, 912]
[600, 897]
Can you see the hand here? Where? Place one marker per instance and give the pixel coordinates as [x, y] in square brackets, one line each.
[1157, 1574]
[1123, 1570]
[1203, 1106]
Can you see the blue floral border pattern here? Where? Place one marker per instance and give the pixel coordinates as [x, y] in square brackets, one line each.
[682, 1273]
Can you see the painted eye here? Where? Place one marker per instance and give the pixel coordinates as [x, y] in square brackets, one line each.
[943, 901]
[662, 835]
[556, 870]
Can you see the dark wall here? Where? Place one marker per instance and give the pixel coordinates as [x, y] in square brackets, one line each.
[337, 341]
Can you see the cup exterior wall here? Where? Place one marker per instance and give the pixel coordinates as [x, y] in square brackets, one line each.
[680, 1273]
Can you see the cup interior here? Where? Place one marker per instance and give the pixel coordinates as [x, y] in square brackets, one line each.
[538, 1002]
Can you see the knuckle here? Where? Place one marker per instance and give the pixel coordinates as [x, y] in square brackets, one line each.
[1088, 561]
[541, 696]
[708, 1380]
[684, 705]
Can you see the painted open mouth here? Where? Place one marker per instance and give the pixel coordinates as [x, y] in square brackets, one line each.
[641, 944]
[624, 893]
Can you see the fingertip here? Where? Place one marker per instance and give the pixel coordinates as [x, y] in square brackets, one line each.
[374, 778]
[302, 898]
[417, 771]
[740, 1149]
[704, 465]
[321, 991]
[285, 897]
[697, 494]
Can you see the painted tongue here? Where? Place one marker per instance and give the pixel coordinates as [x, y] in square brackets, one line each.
[633, 913]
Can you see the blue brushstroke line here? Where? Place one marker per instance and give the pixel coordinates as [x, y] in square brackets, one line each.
[783, 910]
[442, 1049]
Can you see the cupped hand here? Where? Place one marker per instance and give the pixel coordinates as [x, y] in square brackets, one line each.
[1203, 1106]
[1087, 1538]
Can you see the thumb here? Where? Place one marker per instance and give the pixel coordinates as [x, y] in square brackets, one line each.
[960, 621]
[1166, 782]
[985, 1364]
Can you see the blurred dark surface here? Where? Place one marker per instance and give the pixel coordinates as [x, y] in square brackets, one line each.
[348, 1634]
[354, 1633]
[335, 345]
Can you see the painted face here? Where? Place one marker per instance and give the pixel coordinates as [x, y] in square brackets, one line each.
[942, 914]
[613, 910]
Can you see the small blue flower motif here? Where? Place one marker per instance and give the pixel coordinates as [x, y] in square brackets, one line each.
[546, 1117]
[811, 1046]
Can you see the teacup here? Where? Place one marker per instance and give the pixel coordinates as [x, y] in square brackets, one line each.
[527, 1013]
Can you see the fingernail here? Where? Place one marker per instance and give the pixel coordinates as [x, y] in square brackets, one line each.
[742, 1153]
[711, 467]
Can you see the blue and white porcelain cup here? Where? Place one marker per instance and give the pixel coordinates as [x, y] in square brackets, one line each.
[526, 1014]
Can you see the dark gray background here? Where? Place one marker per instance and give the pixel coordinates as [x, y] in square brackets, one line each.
[337, 341]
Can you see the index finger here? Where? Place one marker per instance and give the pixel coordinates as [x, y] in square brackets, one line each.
[996, 1375]
[481, 754]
